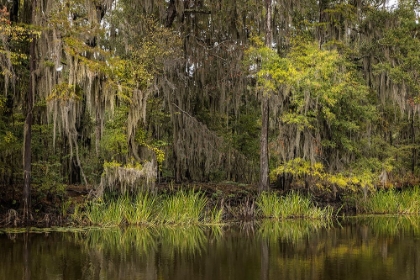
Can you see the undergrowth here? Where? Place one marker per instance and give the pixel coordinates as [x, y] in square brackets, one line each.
[189, 207]
[292, 205]
[406, 202]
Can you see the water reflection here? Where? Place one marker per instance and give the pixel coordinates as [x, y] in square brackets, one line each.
[290, 230]
[371, 248]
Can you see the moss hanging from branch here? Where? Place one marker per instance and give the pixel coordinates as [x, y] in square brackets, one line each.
[201, 154]
[129, 178]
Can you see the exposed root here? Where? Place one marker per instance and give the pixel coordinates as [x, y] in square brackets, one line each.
[245, 211]
[12, 218]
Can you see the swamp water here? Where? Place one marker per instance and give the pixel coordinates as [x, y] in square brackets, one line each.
[363, 248]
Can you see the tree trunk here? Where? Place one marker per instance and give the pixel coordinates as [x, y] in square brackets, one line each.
[268, 23]
[27, 159]
[28, 128]
[264, 180]
[170, 14]
[14, 11]
[413, 141]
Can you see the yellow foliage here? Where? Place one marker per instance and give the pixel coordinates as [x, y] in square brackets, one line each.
[300, 168]
[9, 138]
[111, 164]
[65, 92]
[11, 34]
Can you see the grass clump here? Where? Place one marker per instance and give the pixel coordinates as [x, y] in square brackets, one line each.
[214, 216]
[292, 205]
[122, 210]
[141, 209]
[106, 214]
[189, 207]
[184, 207]
[392, 202]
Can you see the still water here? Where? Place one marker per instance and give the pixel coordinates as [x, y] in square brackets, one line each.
[375, 248]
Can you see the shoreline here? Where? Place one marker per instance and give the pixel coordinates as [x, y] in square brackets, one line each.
[237, 201]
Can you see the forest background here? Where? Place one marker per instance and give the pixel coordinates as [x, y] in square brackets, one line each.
[124, 94]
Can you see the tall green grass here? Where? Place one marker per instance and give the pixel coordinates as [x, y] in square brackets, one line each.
[292, 205]
[392, 202]
[183, 207]
[214, 216]
[106, 214]
[114, 212]
[188, 207]
[141, 209]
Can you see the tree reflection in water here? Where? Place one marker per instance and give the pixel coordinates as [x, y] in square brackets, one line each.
[371, 248]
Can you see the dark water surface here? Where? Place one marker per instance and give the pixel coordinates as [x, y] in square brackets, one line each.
[375, 248]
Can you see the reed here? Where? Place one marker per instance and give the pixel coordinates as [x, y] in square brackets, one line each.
[184, 207]
[107, 214]
[135, 211]
[292, 205]
[190, 207]
[141, 209]
[214, 216]
[392, 202]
